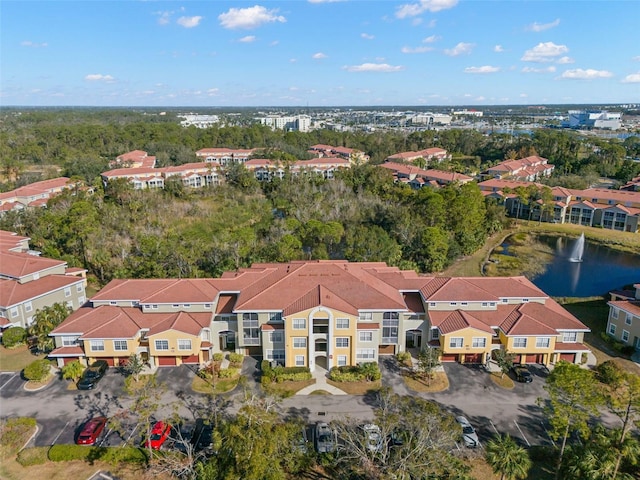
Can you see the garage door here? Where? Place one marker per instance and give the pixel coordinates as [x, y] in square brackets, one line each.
[386, 349]
[166, 361]
[473, 358]
[66, 360]
[539, 358]
[191, 359]
[109, 361]
[449, 357]
[568, 357]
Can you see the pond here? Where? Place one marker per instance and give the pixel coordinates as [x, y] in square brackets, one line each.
[601, 270]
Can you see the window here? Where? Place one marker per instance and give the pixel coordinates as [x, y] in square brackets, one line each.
[81, 300]
[120, 345]
[67, 292]
[479, 342]
[365, 354]
[390, 322]
[299, 360]
[205, 335]
[614, 313]
[299, 323]
[625, 336]
[111, 302]
[365, 336]
[276, 337]
[69, 341]
[277, 355]
[275, 317]
[525, 300]
[162, 344]
[453, 304]
[155, 307]
[251, 329]
[569, 337]
[79, 288]
[342, 323]
[366, 316]
[432, 304]
[207, 305]
[175, 305]
[342, 342]
[455, 342]
[70, 304]
[342, 360]
[184, 344]
[612, 329]
[187, 305]
[435, 334]
[14, 312]
[97, 345]
[492, 304]
[299, 342]
[505, 300]
[485, 304]
[543, 342]
[28, 307]
[627, 320]
[464, 304]
[520, 342]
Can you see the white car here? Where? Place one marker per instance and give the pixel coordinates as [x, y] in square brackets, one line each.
[469, 435]
[373, 437]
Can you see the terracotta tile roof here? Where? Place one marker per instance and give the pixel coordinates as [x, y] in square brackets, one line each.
[367, 326]
[132, 172]
[527, 325]
[268, 327]
[17, 265]
[320, 295]
[191, 323]
[194, 290]
[456, 320]
[632, 307]
[67, 352]
[413, 302]
[12, 292]
[571, 347]
[225, 303]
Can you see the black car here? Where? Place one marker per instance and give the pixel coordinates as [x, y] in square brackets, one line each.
[92, 375]
[522, 374]
[202, 439]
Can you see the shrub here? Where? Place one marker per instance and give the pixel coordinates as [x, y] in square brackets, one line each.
[404, 357]
[14, 336]
[236, 358]
[365, 372]
[32, 456]
[283, 374]
[228, 372]
[14, 432]
[609, 372]
[218, 357]
[38, 370]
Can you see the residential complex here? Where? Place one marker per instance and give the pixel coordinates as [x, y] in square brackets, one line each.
[33, 195]
[416, 177]
[29, 282]
[428, 155]
[528, 169]
[624, 316]
[319, 313]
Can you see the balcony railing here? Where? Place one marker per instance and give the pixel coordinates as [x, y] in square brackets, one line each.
[250, 341]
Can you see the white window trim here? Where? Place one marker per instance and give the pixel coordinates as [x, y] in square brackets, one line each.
[96, 345]
[302, 340]
[115, 346]
[155, 343]
[365, 334]
[341, 339]
[276, 337]
[625, 333]
[342, 360]
[612, 329]
[456, 339]
[338, 327]
[614, 313]
[67, 292]
[519, 339]
[304, 324]
[539, 340]
[481, 340]
[627, 320]
[299, 360]
[183, 349]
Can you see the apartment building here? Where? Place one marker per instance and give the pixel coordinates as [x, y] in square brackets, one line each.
[266, 170]
[134, 159]
[593, 207]
[319, 313]
[623, 322]
[351, 154]
[417, 178]
[428, 154]
[195, 175]
[29, 282]
[33, 195]
[225, 156]
[528, 169]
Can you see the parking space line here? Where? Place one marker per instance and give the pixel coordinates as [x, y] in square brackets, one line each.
[547, 432]
[131, 435]
[525, 438]
[105, 437]
[494, 427]
[5, 383]
[58, 436]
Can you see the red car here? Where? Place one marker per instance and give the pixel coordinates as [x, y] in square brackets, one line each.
[91, 431]
[159, 434]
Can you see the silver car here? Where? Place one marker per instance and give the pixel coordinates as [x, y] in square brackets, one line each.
[325, 438]
[373, 437]
[469, 435]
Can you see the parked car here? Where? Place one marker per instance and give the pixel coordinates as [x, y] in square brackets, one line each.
[469, 435]
[202, 439]
[373, 437]
[91, 431]
[92, 375]
[522, 373]
[159, 434]
[325, 438]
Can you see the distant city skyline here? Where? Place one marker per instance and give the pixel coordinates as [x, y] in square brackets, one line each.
[318, 53]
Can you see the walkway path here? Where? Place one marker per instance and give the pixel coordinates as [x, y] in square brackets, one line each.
[320, 376]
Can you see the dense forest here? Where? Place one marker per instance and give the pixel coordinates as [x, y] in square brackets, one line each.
[361, 215]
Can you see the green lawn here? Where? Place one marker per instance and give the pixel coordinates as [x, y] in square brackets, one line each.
[15, 359]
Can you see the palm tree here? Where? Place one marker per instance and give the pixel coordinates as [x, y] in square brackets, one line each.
[507, 458]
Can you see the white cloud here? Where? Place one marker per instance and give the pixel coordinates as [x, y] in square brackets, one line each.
[414, 9]
[164, 17]
[28, 43]
[586, 74]
[374, 67]
[480, 98]
[213, 92]
[189, 22]
[632, 78]
[637, 58]
[549, 69]
[319, 56]
[248, 39]
[498, 49]
[565, 60]
[98, 77]
[416, 49]
[431, 39]
[523, 95]
[367, 36]
[274, 43]
[251, 17]
[541, 27]
[460, 49]
[544, 52]
[483, 69]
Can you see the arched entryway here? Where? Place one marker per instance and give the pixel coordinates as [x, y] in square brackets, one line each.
[413, 339]
[321, 361]
[227, 341]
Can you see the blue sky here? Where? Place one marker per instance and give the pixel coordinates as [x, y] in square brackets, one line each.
[318, 52]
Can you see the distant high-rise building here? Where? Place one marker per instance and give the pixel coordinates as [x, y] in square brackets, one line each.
[595, 119]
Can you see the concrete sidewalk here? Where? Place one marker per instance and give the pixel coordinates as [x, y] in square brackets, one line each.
[320, 376]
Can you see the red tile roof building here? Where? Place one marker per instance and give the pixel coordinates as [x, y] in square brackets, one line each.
[33, 195]
[320, 313]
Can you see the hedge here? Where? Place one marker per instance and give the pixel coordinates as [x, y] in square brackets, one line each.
[365, 372]
[38, 370]
[113, 455]
[228, 372]
[236, 358]
[14, 336]
[283, 374]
